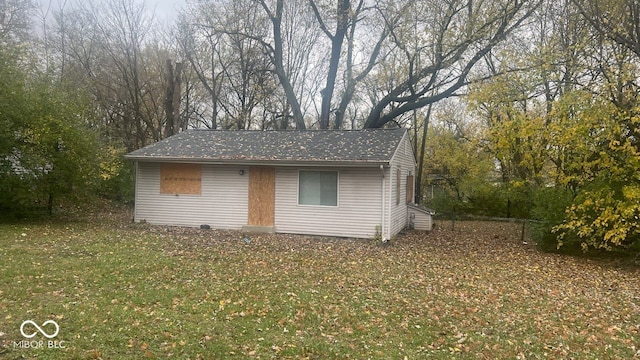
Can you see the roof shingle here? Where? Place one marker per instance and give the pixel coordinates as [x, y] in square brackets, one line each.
[370, 145]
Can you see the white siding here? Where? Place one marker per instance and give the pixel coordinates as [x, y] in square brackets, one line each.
[357, 214]
[421, 220]
[222, 203]
[403, 159]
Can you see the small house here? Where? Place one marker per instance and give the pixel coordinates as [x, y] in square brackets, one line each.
[346, 183]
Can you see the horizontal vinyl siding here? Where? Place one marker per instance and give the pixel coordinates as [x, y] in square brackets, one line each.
[388, 197]
[403, 159]
[421, 221]
[222, 203]
[357, 214]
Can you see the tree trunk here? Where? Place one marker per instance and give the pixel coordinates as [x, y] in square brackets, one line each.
[177, 97]
[425, 128]
[276, 20]
[336, 50]
[172, 99]
[50, 203]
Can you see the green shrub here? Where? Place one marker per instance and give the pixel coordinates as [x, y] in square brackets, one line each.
[486, 199]
[549, 207]
[117, 175]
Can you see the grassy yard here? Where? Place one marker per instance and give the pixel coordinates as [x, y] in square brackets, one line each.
[120, 290]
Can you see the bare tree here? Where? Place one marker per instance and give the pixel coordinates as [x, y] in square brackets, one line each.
[347, 17]
[276, 52]
[256, 45]
[342, 21]
[172, 99]
[108, 49]
[199, 44]
[14, 20]
[402, 55]
[455, 35]
[355, 72]
[220, 41]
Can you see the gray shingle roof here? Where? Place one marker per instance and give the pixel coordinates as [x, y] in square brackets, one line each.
[371, 145]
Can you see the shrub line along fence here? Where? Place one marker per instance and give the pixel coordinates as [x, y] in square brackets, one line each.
[465, 217]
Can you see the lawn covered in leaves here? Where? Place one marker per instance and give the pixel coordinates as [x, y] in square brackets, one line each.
[120, 290]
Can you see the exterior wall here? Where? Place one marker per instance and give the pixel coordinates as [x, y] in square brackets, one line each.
[403, 160]
[357, 215]
[222, 203]
[421, 219]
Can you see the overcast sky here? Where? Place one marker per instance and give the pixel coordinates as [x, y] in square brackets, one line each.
[165, 9]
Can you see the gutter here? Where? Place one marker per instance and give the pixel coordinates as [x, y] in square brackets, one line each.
[274, 162]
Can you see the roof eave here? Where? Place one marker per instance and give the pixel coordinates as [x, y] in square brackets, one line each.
[275, 162]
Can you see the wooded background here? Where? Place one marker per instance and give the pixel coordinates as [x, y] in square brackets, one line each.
[517, 108]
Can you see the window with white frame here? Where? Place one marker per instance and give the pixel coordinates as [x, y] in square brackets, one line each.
[318, 188]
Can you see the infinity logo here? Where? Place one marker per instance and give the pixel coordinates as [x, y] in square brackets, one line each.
[39, 329]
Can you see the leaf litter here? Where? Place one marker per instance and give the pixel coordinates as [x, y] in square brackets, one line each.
[475, 291]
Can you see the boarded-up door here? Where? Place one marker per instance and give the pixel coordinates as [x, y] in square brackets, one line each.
[262, 195]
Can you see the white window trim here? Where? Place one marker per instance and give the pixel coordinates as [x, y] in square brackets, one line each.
[337, 205]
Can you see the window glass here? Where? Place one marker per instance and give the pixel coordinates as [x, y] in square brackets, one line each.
[318, 188]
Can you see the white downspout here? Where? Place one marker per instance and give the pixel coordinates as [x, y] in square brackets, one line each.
[390, 191]
[135, 191]
[382, 205]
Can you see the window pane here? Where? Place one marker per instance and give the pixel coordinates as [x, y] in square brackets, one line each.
[329, 188]
[309, 188]
[318, 188]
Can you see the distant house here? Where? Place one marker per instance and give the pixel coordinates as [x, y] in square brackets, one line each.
[355, 183]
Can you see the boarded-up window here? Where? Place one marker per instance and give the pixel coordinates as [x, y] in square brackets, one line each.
[180, 179]
[410, 189]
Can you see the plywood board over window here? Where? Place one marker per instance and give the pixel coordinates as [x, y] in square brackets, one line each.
[181, 179]
[410, 194]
